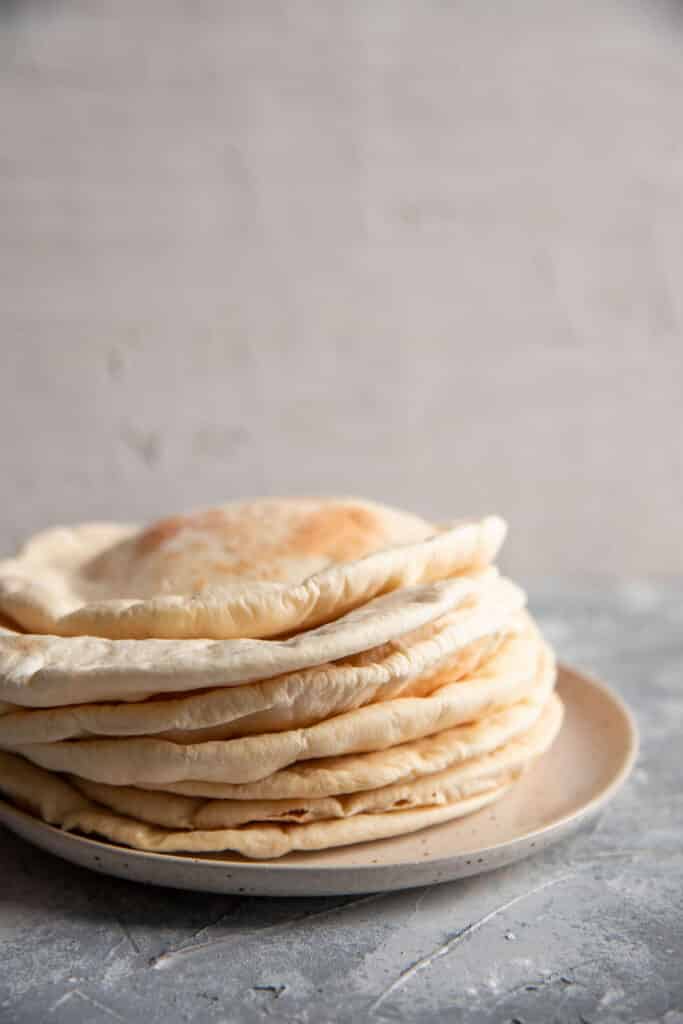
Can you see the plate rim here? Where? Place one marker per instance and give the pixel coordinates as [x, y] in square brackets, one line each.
[282, 869]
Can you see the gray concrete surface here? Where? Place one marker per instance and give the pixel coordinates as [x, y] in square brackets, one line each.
[427, 252]
[591, 933]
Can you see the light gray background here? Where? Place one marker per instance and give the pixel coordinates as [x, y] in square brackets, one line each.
[431, 253]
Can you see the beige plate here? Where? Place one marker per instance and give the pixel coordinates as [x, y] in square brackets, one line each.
[589, 761]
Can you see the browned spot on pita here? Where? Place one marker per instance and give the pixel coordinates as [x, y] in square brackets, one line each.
[163, 530]
[343, 533]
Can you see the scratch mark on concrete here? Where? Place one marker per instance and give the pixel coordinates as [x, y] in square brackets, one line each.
[550, 979]
[126, 931]
[219, 920]
[171, 956]
[454, 940]
[115, 948]
[60, 1002]
[100, 1006]
[275, 990]
[86, 999]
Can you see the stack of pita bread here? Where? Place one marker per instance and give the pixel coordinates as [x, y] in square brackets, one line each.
[267, 676]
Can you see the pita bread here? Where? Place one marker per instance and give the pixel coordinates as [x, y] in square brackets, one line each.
[351, 773]
[415, 664]
[523, 664]
[286, 702]
[60, 803]
[44, 671]
[255, 569]
[515, 738]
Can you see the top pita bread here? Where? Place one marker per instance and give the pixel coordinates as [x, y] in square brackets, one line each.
[255, 569]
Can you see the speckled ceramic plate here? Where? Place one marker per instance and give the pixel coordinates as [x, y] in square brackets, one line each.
[566, 789]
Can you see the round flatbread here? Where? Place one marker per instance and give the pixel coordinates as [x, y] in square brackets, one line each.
[250, 569]
[414, 664]
[60, 803]
[487, 754]
[522, 666]
[43, 671]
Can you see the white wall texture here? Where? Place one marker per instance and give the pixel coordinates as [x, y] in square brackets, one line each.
[427, 252]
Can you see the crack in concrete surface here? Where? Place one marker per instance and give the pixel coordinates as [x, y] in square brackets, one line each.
[169, 957]
[86, 999]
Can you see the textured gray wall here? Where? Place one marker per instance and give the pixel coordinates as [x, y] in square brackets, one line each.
[428, 252]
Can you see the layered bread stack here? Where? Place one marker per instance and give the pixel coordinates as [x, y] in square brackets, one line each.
[268, 676]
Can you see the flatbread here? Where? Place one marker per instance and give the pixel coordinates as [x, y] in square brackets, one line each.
[353, 773]
[412, 665]
[48, 671]
[60, 803]
[503, 747]
[523, 663]
[254, 569]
